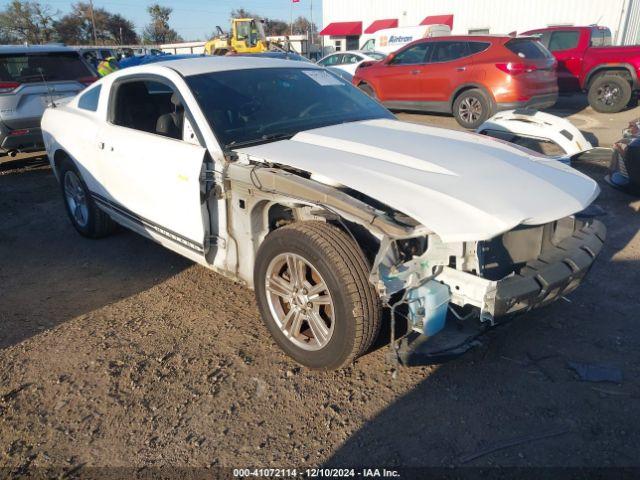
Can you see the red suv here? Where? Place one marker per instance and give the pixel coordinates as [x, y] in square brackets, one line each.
[470, 76]
[588, 62]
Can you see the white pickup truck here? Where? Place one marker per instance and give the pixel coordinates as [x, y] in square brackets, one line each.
[290, 180]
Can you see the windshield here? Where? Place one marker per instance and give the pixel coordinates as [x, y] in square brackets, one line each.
[32, 67]
[369, 44]
[246, 107]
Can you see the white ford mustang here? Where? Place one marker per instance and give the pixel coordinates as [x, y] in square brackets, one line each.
[288, 179]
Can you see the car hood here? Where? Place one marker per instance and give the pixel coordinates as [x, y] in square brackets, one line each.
[462, 186]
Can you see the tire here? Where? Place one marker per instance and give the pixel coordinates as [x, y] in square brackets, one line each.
[348, 307]
[609, 93]
[366, 88]
[472, 108]
[86, 217]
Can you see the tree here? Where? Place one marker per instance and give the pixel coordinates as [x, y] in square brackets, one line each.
[159, 31]
[76, 28]
[242, 13]
[27, 21]
[122, 29]
[302, 26]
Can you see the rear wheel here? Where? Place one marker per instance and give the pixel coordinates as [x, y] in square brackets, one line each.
[472, 108]
[609, 93]
[314, 296]
[84, 214]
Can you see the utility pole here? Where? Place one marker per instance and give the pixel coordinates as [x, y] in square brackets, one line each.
[93, 22]
[311, 26]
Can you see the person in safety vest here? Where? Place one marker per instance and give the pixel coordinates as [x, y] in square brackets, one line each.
[107, 66]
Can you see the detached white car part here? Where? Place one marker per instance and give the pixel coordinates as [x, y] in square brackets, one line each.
[525, 126]
[288, 179]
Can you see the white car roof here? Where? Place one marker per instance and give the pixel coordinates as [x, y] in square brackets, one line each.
[196, 66]
[362, 53]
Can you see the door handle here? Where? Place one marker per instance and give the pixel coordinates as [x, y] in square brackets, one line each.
[101, 145]
[461, 69]
[415, 72]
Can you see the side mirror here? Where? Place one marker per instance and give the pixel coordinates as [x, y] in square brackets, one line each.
[390, 58]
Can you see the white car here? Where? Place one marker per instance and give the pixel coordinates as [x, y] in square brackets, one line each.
[290, 180]
[350, 61]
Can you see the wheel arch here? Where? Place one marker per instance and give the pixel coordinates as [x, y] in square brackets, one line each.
[60, 156]
[268, 216]
[470, 86]
[612, 67]
[370, 85]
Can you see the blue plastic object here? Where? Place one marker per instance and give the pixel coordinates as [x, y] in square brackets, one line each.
[428, 304]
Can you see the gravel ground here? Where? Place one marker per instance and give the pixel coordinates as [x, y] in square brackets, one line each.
[119, 353]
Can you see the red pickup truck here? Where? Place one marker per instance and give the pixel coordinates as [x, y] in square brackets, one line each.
[588, 62]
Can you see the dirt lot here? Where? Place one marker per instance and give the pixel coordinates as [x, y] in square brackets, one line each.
[120, 353]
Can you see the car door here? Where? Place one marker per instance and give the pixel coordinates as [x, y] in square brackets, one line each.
[399, 79]
[152, 179]
[449, 66]
[564, 46]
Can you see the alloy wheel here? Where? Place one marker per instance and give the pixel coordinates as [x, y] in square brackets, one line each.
[608, 94]
[470, 110]
[300, 301]
[76, 199]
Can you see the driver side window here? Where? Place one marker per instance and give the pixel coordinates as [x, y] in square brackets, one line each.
[149, 106]
[413, 55]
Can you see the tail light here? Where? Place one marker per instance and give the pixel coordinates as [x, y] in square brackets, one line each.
[16, 133]
[87, 80]
[6, 87]
[516, 68]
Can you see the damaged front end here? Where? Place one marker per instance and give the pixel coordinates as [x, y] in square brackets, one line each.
[452, 293]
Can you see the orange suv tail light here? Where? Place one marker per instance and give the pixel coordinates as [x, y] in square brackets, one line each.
[516, 68]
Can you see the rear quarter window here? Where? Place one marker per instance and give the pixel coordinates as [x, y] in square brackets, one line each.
[528, 49]
[600, 37]
[89, 100]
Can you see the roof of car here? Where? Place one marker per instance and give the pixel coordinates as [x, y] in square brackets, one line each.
[566, 27]
[197, 66]
[363, 52]
[34, 48]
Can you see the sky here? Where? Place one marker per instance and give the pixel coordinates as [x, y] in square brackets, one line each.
[194, 19]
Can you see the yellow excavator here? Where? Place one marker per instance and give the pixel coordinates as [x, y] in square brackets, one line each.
[247, 36]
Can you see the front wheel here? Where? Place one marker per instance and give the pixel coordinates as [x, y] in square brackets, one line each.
[609, 93]
[366, 88]
[472, 108]
[314, 296]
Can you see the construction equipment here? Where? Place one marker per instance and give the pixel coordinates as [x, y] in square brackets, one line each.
[247, 36]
